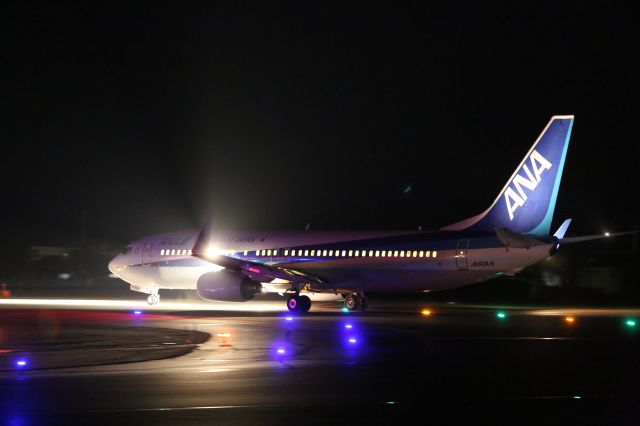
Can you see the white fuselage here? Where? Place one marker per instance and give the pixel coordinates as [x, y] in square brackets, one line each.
[380, 261]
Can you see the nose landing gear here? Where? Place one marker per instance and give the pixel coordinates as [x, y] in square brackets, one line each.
[153, 299]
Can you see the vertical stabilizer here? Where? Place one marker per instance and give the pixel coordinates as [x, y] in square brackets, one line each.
[526, 203]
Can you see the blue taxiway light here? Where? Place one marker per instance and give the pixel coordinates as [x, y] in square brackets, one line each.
[353, 340]
[137, 312]
[21, 363]
[281, 351]
[289, 318]
[348, 326]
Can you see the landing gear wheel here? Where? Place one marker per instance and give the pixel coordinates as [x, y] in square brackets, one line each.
[305, 303]
[293, 303]
[355, 301]
[352, 302]
[153, 299]
[296, 303]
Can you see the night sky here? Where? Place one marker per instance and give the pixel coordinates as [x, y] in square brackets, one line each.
[145, 120]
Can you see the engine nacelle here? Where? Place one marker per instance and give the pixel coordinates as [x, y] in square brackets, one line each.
[227, 286]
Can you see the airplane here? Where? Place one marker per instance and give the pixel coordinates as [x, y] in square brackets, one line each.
[234, 266]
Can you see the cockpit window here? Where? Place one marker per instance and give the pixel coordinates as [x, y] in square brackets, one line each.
[127, 249]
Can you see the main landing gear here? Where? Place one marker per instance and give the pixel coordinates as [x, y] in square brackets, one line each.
[297, 303]
[355, 301]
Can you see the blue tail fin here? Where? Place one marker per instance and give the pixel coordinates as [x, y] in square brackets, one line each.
[526, 203]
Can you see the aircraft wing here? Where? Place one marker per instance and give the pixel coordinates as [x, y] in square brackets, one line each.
[255, 270]
[259, 271]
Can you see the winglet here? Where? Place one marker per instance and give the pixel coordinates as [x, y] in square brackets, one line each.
[559, 234]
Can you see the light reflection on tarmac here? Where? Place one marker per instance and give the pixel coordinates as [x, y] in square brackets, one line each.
[265, 365]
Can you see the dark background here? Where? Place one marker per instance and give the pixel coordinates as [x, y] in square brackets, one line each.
[123, 121]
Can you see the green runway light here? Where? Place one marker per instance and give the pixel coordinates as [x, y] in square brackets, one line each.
[630, 323]
[345, 309]
[501, 315]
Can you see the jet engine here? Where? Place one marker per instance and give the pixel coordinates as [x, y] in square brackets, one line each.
[227, 286]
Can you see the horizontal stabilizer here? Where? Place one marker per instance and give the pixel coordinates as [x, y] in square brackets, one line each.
[594, 237]
[515, 240]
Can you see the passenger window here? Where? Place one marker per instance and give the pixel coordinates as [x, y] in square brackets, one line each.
[435, 253]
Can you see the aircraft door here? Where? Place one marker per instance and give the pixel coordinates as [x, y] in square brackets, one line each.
[461, 255]
[146, 254]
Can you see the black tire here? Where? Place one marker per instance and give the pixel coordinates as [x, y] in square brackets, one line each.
[352, 302]
[293, 303]
[304, 303]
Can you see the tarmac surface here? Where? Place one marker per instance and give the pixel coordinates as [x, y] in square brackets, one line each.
[80, 362]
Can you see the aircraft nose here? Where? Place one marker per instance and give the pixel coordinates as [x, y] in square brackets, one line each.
[114, 265]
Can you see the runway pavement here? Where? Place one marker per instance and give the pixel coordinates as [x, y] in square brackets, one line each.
[398, 362]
